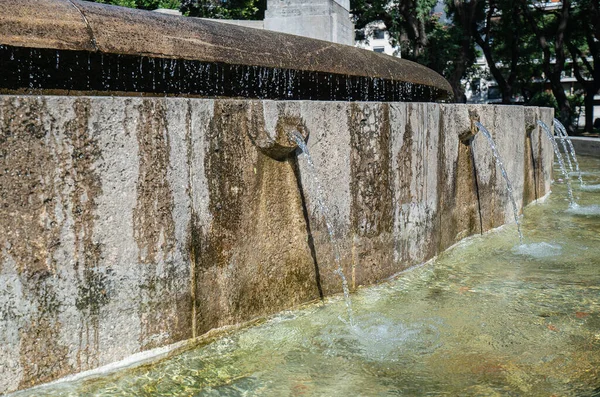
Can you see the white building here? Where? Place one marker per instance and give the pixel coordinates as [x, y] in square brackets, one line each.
[376, 38]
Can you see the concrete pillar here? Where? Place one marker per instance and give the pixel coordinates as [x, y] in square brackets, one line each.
[318, 19]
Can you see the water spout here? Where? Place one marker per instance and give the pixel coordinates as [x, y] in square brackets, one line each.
[467, 136]
[296, 137]
[500, 165]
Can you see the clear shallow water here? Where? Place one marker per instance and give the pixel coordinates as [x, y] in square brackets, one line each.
[489, 317]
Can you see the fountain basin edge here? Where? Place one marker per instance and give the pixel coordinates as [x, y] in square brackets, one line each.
[79, 46]
[128, 224]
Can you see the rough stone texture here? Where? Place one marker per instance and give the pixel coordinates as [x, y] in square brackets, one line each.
[458, 205]
[406, 162]
[132, 223]
[541, 147]
[537, 173]
[117, 30]
[38, 27]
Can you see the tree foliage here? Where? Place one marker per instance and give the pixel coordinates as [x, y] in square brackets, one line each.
[221, 9]
[446, 48]
[584, 48]
[225, 9]
[527, 43]
[550, 27]
[143, 4]
[406, 20]
[508, 48]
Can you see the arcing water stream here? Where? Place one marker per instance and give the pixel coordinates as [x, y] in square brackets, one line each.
[561, 163]
[299, 140]
[509, 187]
[565, 137]
[591, 210]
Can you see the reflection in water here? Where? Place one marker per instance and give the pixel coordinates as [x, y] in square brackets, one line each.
[486, 318]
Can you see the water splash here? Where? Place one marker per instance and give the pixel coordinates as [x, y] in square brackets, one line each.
[565, 138]
[538, 250]
[500, 165]
[380, 338]
[299, 140]
[587, 210]
[561, 163]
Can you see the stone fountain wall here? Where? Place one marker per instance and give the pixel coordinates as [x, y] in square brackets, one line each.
[130, 223]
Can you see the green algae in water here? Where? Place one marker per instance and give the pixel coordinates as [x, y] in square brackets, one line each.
[488, 317]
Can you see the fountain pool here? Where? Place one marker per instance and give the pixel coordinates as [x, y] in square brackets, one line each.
[487, 317]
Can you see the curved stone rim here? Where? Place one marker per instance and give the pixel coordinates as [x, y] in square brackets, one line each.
[93, 27]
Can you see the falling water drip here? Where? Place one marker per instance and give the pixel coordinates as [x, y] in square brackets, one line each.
[561, 163]
[297, 137]
[89, 69]
[562, 130]
[500, 165]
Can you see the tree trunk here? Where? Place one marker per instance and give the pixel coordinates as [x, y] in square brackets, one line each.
[465, 58]
[458, 91]
[553, 72]
[562, 101]
[589, 108]
[464, 15]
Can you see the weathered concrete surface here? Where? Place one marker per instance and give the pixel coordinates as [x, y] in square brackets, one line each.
[401, 183]
[129, 223]
[586, 146]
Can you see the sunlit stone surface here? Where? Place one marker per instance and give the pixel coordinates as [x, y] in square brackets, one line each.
[128, 224]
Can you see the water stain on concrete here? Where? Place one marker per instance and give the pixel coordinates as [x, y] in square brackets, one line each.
[404, 176]
[247, 244]
[27, 193]
[92, 285]
[371, 183]
[371, 187]
[405, 166]
[257, 237]
[29, 234]
[224, 164]
[154, 230]
[277, 253]
[458, 203]
[530, 171]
